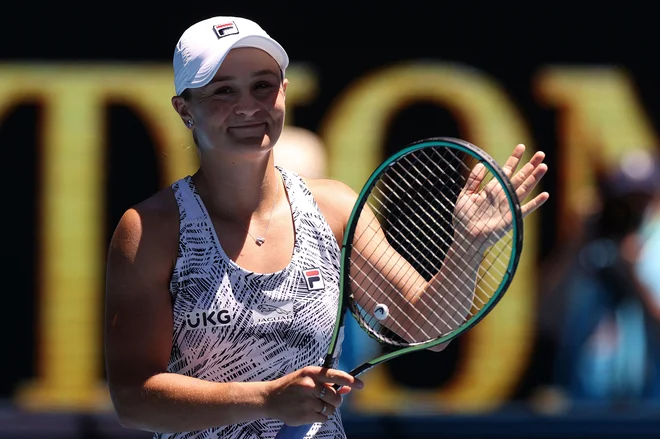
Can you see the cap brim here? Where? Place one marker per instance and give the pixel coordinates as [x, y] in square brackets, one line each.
[210, 66]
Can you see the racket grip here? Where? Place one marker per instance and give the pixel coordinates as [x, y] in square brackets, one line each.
[288, 432]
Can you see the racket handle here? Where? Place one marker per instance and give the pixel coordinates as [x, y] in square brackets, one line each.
[288, 432]
[299, 432]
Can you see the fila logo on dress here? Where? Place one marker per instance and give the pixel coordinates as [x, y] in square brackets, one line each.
[314, 279]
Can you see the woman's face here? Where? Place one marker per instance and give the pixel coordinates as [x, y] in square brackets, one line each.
[242, 109]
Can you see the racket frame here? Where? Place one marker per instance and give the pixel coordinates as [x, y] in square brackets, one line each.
[517, 241]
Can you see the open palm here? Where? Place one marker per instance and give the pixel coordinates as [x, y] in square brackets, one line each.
[482, 212]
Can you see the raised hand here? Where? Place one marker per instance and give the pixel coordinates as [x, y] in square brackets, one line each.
[483, 213]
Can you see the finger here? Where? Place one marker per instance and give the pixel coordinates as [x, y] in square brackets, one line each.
[317, 417]
[512, 162]
[439, 348]
[528, 169]
[340, 378]
[330, 396]
[511, 165]
[537, 158]
[534, 203]
[325, 392]
[322, 390]
[475, 178]
[326, 410]
[344, 390]
[534, 162]
[527, 186]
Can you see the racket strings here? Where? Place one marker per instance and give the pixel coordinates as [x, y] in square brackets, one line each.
[408, 330]
[462, 314]
[413, 203]
[440, 161]
[400, 227]
[424, 210]
[403, 249]
[485, 181]
[365, 269]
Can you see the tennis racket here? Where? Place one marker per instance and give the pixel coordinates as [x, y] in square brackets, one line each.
[431, 246]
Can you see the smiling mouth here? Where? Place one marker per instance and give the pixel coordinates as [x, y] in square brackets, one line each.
[248, 126]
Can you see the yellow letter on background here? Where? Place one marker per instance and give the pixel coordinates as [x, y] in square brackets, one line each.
[600, 118]
[72, 248]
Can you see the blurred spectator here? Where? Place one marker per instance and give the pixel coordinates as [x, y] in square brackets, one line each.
[609, 337]
[648, 263]
[302, 152]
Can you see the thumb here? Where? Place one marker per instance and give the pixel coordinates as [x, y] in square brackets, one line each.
[339, 378]
[344, 390]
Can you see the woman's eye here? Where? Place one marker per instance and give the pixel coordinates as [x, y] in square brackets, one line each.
[263, 85]
[222, 91]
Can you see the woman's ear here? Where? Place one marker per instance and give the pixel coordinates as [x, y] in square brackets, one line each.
[181, 107]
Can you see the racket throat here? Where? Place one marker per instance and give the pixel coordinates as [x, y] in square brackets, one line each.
[361, 369]
[329, 361]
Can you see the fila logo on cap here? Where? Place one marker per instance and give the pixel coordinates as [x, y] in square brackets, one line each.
[222, 30]
[314, 279]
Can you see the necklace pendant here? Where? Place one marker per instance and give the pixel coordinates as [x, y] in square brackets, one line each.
[259, 241]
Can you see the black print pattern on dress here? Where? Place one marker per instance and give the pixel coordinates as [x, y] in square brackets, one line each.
[231, 324]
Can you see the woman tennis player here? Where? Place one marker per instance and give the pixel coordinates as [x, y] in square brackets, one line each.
[222, 289]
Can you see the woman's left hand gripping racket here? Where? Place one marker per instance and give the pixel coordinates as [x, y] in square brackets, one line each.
[431, 246]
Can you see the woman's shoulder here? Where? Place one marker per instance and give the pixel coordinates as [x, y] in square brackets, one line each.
[143, 248]
[335, 200]
[159, 207]
[326, 190]
[153, 221]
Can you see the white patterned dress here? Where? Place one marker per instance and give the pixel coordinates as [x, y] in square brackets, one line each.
[231, 324]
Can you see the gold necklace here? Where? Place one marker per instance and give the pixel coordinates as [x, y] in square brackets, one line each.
[260, 239]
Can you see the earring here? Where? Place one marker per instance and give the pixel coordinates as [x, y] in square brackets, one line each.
[190, 123]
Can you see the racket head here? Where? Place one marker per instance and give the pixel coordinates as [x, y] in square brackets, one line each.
[413, 197]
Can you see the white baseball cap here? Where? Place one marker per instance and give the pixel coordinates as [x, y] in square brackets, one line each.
[204, 45]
